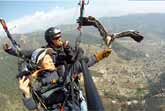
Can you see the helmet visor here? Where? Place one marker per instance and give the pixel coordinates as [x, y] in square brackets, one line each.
[56, 37]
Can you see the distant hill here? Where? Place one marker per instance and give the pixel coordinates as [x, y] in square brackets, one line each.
[152, 25]
[122, 74]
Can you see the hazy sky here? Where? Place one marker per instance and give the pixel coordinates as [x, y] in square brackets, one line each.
[26, 16]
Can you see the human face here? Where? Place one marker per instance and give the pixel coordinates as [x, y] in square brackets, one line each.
[57, 41]
[47, 63]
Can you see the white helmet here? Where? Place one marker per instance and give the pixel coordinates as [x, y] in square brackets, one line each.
[39, 54]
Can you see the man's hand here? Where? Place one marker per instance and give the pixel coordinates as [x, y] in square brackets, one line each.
[103, 54]
[24, 86]
[107, 52]
[6, 47]
[66, 44]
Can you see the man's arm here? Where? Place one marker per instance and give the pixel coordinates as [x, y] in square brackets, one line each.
[90, 61]
[12, 51]
[98, 56]
[28, 100]
[29, 103]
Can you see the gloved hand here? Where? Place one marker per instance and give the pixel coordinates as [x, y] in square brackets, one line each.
[6, 47]
[103, 54]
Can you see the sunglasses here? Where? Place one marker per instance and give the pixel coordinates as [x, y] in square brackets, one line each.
[56, 38]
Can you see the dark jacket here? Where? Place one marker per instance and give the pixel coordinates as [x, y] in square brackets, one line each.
[46, 78]
[67, 68]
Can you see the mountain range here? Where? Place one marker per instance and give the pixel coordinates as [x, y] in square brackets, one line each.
[122, 74]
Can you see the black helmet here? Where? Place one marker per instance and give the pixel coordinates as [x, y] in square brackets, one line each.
[51, 33]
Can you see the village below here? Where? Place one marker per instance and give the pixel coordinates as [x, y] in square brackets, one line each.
[132, 78]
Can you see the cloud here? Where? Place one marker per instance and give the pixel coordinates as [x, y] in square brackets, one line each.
[124, 7]
[40, 20]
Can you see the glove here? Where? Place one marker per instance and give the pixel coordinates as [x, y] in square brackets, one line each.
[103, 54]
[6, 47]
